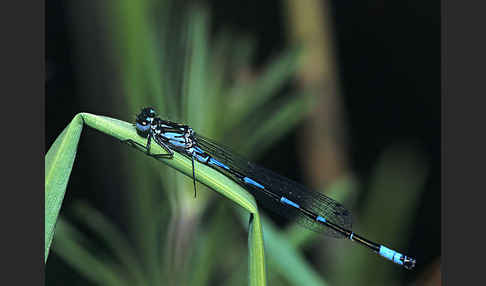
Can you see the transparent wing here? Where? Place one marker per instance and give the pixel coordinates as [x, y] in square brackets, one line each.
[313, 201]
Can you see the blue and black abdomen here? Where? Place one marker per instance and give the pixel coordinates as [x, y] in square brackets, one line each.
[269, 188]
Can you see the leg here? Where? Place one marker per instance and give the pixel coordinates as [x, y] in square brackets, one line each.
[146, 149]
[164, 146]
[134, 144]
[193, 175]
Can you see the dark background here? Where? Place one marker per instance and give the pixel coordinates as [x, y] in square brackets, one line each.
[388, 52]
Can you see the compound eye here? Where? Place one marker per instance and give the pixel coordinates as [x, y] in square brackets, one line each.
[149, 112]
[142, 126]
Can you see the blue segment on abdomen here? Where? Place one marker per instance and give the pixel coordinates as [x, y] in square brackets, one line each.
[250, 181]
[320, 218]
[284, 200]
[391, 254]
[217, 163]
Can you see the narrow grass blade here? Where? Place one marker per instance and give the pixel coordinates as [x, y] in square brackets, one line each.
[58, 165]
[196, 99]
[278, 123]
[286, 258]
[92, 267]
[248, 98]
[256, 259]
[204, 174]
[211, 241]
[114, 239]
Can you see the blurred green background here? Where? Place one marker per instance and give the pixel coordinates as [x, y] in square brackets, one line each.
[342, 96]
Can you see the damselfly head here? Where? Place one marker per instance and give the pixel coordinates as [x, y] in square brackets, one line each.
[144, 121]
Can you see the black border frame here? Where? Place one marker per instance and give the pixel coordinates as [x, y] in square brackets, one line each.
[462, 84]
[23, 144]
[462, 150]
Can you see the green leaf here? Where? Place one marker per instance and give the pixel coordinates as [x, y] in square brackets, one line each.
[278, 123]
[256, 256]
[204, 174]
[58, 164]
[114, 239]
[288, 260]
[196, 98]
[247, 98]
[93, 267]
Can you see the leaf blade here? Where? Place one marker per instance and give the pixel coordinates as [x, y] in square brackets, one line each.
[59, 161]
[204, 174]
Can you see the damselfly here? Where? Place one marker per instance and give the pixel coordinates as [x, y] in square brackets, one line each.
[271, 191]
